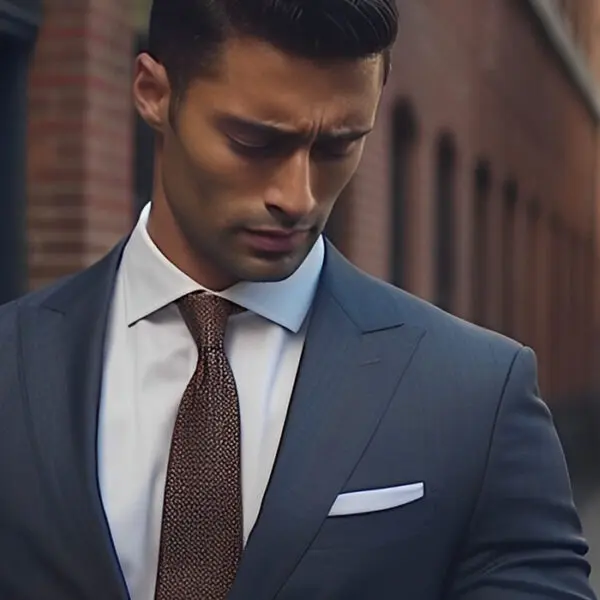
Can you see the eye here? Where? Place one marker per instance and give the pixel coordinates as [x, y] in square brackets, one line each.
[248, 143]
[258, 147]
[335, 149]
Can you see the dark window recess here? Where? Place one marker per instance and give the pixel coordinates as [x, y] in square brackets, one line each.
[508, 257]
[532, 293]
[403, 144]
[445, 210]
[480, 251]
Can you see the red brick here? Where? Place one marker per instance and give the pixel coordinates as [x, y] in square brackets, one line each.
[80, 136]
[486, 74]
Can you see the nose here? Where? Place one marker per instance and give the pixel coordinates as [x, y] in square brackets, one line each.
[290, 198]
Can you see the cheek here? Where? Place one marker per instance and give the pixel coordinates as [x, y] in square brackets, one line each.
[205, 152]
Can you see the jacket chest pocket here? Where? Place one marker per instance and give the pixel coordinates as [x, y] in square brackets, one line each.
[376, 528]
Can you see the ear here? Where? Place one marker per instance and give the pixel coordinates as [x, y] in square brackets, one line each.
[151, 92]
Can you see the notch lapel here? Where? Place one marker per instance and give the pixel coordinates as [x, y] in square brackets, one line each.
[62, 358]
[346, 380]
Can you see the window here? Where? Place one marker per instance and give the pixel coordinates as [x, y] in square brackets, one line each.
[445, 246]
[508, 257]
[480, 250]
[532, 264]
[403, 142]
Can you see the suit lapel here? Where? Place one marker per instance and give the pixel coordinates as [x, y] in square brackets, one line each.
[350, 369]
[356, 352]
[62, 357]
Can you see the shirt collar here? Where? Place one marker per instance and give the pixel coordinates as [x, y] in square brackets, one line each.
[153, 282]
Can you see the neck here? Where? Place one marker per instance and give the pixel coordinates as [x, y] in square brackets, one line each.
[169, 239]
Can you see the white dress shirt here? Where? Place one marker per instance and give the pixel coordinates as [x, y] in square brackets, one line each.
[150, 358]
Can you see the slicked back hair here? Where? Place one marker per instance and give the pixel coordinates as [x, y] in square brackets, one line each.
[187, 36]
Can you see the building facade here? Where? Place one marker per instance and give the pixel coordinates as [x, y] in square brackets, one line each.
[479, 188]
[478, 191]
[80, 140]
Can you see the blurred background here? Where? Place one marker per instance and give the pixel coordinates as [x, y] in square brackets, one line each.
[479, 190]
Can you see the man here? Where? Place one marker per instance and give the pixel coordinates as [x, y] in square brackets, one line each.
[225, 408]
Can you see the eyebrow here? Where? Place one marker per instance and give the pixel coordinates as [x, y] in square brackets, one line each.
[344, 134]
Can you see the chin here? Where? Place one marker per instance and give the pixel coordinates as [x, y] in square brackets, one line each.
[269, 270]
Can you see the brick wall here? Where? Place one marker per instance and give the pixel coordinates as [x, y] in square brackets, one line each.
[483, 77]
[486, 76]
[80, 136]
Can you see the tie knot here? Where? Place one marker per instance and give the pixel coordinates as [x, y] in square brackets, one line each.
[206, 317]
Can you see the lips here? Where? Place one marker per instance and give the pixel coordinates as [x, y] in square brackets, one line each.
[277, 241]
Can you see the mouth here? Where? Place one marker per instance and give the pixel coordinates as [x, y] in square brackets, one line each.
[274, 241]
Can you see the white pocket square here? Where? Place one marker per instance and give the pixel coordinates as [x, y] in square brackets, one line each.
[355, 503]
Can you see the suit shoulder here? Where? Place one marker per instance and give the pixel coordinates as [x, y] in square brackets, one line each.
[8, 318]
[474, 363]
[9, 312]
[440, 322]
[443, 329]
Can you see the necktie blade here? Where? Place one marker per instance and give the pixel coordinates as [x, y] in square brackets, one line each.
[202, 525]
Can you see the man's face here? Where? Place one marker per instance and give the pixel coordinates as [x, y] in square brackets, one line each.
[255, 158]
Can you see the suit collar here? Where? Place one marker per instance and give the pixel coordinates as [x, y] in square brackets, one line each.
[89, 291]
[369, 304]
[62, 335]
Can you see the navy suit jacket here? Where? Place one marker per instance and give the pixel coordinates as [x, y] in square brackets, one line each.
[390, 391]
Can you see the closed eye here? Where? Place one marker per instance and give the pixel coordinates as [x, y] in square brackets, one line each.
[249, 143]
[334, 149]
[255, 148]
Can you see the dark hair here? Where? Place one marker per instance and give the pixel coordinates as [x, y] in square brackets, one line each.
[187, 35]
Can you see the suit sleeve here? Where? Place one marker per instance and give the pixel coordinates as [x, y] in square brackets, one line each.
[525, 540]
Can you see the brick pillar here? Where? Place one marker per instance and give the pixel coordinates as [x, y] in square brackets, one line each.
[591, 351]
[80, 136]
[561, 315]
[555, 308]
[581, 320]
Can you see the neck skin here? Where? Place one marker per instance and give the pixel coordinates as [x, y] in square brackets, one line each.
[168, 238]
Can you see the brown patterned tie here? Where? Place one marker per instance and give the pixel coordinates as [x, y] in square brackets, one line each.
[202, 524]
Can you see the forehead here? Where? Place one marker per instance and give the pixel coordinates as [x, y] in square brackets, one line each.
[256, 80]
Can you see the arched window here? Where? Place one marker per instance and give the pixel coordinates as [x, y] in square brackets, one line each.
[445, 183]
[404, 132]
[480, 251]
[532, 267]
[508, 256]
